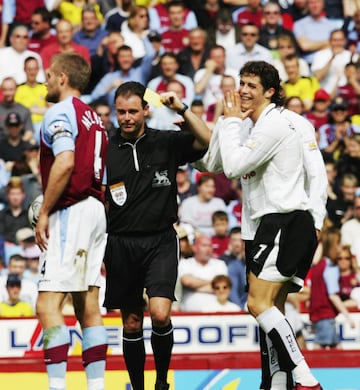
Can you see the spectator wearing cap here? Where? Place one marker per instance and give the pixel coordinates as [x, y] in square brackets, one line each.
[12, 305]
[154, 36]
[350, 91]
[328, 64]
[155, 40]
[333, 136]
[13, 146]
[9, 105]
[29, 291]
[27, 167]
[319, 114]
[185, 186]
[26, 238]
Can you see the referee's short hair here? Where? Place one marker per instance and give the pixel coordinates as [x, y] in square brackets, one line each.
[131, 88]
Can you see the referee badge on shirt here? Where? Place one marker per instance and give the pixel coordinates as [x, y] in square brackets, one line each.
[118, 193]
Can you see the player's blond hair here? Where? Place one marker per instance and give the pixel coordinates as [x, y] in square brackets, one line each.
[76, 68]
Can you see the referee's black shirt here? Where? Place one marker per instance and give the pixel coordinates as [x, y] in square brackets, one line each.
[141, 180]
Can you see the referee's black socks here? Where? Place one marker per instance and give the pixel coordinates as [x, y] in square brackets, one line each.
[134, 356]
[162, 341]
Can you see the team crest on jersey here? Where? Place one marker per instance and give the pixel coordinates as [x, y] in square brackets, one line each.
[118, 193]
[312, 145]
[161, 179]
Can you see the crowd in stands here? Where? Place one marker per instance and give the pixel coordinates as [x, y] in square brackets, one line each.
[196, 49]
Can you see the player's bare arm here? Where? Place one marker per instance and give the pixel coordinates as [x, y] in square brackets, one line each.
[59, 177]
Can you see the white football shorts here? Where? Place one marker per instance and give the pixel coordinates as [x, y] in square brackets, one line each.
[76, 245]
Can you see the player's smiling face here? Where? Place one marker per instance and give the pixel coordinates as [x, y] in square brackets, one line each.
[131, 116]
[252, 94]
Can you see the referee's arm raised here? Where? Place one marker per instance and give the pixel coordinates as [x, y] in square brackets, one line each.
[192, 122]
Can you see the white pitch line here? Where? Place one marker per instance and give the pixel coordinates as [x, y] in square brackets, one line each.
[216, 379]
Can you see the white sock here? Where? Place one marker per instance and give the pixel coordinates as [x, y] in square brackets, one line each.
[57, 383]
[278, 381]
[272, 320]
[303, 375]
[95, 384]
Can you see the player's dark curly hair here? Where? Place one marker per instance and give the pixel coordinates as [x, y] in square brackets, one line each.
[131, 88]
[269, 78]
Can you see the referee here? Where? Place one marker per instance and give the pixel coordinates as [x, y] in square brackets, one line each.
[142, 249]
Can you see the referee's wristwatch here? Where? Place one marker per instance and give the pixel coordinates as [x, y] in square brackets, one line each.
[182, 111]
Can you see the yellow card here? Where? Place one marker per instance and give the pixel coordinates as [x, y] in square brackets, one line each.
[152, 97]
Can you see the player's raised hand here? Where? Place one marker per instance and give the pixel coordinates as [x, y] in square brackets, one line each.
[232, 106]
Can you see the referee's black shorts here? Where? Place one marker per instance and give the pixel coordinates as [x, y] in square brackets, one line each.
[283, 247]
[137, 262]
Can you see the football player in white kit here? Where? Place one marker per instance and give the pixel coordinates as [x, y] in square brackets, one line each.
[274, 152]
